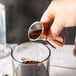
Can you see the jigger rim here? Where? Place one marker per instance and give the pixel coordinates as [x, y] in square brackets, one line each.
[39, 37]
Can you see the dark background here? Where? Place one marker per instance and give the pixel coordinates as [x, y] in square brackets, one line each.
[20, 14]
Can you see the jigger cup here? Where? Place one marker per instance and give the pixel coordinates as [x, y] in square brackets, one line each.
[37, 28]
[36, 32]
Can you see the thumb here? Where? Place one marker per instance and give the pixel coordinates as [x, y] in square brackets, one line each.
[47, 16]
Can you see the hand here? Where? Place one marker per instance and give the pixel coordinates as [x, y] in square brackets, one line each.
[62, 13]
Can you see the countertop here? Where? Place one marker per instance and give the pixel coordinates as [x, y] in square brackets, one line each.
[62, 63]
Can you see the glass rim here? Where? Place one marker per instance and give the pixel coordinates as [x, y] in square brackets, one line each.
[30, 60]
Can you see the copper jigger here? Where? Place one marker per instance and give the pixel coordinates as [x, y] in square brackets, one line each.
[37, 31]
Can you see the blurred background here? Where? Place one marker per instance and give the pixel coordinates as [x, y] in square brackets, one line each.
[20, 14]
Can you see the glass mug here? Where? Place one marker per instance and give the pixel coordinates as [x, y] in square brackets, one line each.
[31, 59]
